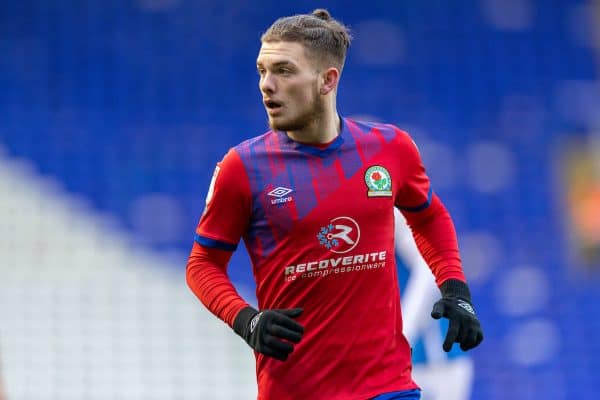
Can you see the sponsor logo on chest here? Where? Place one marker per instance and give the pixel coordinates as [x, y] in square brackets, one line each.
[340, 236]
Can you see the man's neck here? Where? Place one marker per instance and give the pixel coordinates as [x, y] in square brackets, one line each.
[320, 131]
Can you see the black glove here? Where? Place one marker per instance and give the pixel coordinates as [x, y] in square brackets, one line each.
[270, 332]
[455, 305]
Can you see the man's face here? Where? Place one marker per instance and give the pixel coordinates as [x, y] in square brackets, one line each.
[289, 85]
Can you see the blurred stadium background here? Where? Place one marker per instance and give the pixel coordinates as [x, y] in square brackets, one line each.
[114, 112]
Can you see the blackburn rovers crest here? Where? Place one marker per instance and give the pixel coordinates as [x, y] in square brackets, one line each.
[379, 182]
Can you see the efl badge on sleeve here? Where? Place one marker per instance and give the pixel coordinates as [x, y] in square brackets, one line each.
[211, 188]
[378, 182]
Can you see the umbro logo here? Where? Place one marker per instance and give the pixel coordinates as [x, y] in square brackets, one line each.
[466, 306]
[254, 321]
[280, 191]
[281, 195]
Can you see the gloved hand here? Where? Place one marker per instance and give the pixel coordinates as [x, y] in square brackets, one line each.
[455, 305]
[270, 332]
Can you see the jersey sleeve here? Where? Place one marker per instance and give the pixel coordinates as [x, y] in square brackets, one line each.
[428, 218]
[414, 192]
[228, 205]
[206, 274]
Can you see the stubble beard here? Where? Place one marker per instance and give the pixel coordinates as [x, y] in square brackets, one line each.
[311, 116]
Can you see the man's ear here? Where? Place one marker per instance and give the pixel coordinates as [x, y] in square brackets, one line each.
[330, 79]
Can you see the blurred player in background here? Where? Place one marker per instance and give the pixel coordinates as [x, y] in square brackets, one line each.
[441, 375]
[313, 199]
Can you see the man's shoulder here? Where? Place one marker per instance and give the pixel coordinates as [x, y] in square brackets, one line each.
[254, 142]
[374, 127]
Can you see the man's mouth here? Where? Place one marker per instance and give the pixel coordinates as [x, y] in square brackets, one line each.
[272, 105]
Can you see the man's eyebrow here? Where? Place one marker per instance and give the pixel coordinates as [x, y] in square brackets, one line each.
[277, 64]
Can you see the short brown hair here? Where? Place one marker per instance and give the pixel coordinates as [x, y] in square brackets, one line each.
[318, 32]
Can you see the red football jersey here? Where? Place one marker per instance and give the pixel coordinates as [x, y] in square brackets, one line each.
[319, 228]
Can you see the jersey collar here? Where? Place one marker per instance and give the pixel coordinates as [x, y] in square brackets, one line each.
[314, 150]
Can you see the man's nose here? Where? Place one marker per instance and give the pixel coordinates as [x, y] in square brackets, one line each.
[267, 83]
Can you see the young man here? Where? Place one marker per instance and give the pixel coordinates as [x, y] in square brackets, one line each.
[313, 199]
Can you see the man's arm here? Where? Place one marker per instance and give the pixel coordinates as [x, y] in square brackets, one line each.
[435, 236]
[225, 219]
[263, 331]
[207, 278]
